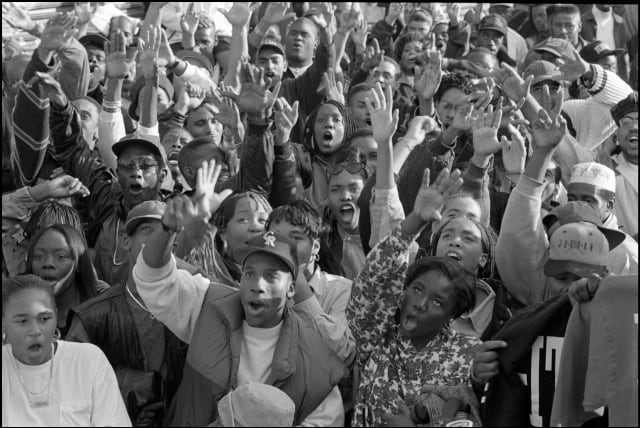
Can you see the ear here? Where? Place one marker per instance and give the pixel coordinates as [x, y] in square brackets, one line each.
[126, 243]
[611, 204]
[315, 248]
[291, 288]
[163, 174]
[482, 261]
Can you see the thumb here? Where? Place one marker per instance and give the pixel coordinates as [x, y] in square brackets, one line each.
[395, 119]
[506, 144]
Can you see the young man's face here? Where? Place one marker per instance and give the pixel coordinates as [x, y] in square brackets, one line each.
[490, 39]
[421, 27]
[461, 240]
[442, 36]
[140, 175]
[369, 147]
[609, 62]
[452, 100]
[265, 286]
[344, 191]
[273, 64]
[539, 17]
[328, 129]
[589, 194]
[140, 237]
[566, 26]
[202, 122]
[627, 135]
[385, 74]
[88, 119]
[205, 38]
[96, 57]
[307, 248]
[301, 40]
[359, 109]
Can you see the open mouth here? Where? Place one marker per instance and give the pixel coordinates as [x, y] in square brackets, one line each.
[269, 74]
[633, 139]
[369, 122]
[453, 255]
[37, 347]
[135, 189]
[327, 136]
[256, 305]
[49, 278]
[347, 211]
[409, 323]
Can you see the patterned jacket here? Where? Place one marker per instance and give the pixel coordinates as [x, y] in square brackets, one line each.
[390, 366]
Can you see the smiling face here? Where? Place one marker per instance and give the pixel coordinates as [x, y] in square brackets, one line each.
[247, 222]
[141, 182]
[265, 286]
[461, 240]
[29, 321]
[359, 109]
[627, 135]
[328, 129]
[344, 191]
[428, 303]
[53, 260]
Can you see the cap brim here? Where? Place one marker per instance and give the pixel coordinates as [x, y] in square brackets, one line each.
[119, 147]
[549, 50]
[614, 237]
[553, 77]
[555, 268]
[604, 54]
[498, 29]
[133, 223]
[245, 252]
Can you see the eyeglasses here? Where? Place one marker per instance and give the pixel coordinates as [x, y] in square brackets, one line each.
[146, 165]
[628, 121]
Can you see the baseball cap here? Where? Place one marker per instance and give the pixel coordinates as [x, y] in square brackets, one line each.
[271, 43]
[144, 210]
[579, 248]
[597, 50]
[134, 92]
[256, 404]
[151, 142]
[494, 22]
[595, 174]
[554, 46]
[93, 39]
[541, 71]
[624, 107]
[275, 244]
[574, 212]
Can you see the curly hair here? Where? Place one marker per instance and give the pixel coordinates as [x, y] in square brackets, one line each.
[458, 79]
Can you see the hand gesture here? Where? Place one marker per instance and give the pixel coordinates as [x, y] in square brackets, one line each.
[463, 118]
[16, 17]
[453, 11]
[206, 199]
[240, 13]
[58, 32]
[485, 360]
[429, 82]
[402, 419]
[514, 152]
[117, 63]
[66, 186]
[255, 96]
[324, 18]
[285, 118]
[395, 10]
[372, 57]
[51, 88]
[148, 45]
[485, 131]
[190, 96]
[584, 289]
[384, 121]
[359, 36]
[549, 128]
[430, 199]
[189, 20]
[571, 65]
[84, 11]
[275, 13]
[511, 83]
[165, 53]
[11, 47]
[227, 111]
[349, 21]
[331, 89]
[419, 127]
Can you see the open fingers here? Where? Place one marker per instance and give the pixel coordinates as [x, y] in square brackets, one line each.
[426, 178]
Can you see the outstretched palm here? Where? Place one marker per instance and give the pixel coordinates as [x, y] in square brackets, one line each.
[431, 198]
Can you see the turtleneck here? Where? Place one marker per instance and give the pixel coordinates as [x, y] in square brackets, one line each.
[256, 354]
[604, 26]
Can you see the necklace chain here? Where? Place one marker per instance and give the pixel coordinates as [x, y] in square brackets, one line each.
[24, 385]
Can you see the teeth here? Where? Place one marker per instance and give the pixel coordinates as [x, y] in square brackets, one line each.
[453, 255]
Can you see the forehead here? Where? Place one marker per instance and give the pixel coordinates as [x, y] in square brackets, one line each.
[582, 189]
[202, 112]
[465, 205]
[387, 67]
[270, 53]
[345, 178]
[454, 96]
[361, 96]
[94, 50]
[122, 23]
[136, 150]
[433, 280]
[303, 25]
[246, 205]
[204, 31]
[262, 260]
[175, 134]
[483, 58]
[85, 105]
[565, 17]
[206, 152]
[284, 227]
[52, 239]
[441, 28]
[462, 225]
[414, 44]
[328, 110]
[29, 301]
[365, 142]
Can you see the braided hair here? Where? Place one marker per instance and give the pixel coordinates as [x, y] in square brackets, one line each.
[349, 126]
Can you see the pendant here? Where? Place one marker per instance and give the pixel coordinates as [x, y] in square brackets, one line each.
[38, 404]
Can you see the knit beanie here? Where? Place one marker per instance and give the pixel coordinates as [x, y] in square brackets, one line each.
[349, 126]
[624, 107]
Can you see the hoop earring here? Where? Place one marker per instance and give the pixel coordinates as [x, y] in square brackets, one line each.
[316, 257]
[57, 335]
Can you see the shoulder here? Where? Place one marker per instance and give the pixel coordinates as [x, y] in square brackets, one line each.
[86, 354]
[338, 281]
[102, 300]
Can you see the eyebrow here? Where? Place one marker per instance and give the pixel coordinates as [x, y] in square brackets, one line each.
[27, 315]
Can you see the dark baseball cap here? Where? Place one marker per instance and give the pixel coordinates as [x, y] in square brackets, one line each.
[148, 141]
[557, 47]
[494, 22]
[275, 244]
[271, 43]
[93, 39]
[147, 210]
[597, 50]
[542, 71]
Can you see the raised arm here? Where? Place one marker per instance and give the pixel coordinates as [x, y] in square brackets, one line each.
[239, 16]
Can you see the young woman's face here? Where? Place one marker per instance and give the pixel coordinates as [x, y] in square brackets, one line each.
[344, 191]
[247, 222]
[329, 129]
[53, 259]
[410, 54]
[265, 286]
[29, 321]
[461, 240]
[428, 303]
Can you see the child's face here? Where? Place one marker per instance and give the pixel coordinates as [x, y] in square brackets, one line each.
[247, 223]
[359, 110]
[344, 191]
[329, 129]
[369, 147]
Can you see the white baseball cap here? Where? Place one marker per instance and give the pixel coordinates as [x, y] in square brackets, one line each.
[595, 174]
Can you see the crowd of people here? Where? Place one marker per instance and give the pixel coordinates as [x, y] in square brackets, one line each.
[321, 214]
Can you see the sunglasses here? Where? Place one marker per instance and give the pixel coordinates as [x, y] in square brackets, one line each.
[351, 168]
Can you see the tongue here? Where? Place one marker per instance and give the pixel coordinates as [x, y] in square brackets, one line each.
[409, 324]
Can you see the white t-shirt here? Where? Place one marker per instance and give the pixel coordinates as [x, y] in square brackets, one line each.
[83, 390]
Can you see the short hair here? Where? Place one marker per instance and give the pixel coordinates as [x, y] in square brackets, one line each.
[555, 9]
[420, 15]
[395, 63]
[227, 208]
[91, 100]
[299, 213]
[462, 281]
[188, 154]
[362, 132]
[404, 40]
[358, 89]
[12, 286]
[458, 79]
[48, 213]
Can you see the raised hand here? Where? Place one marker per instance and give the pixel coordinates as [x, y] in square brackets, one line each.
[359, 36]
[463, 118]
[511, 83]
[325, 18]
[66, 186]
[17, 17]
[255, 96]
[206, 200]
[453, 11]
[285, 118]
[240, 13]
[549, 128]
[514, 152]
[275, 13]
[384, 120]
[84, 11]
[485, 131]
[51, 88]
[190, 96]
[431, 198]
[331, 89]
[165, 53]
[571, 64]
[349, 21]
[419, 127]
[429, 82]
[117, 63]
[189, 20]
[148, 45]
[227, 110]
[395, 10]
[372, 57]
[58, 32]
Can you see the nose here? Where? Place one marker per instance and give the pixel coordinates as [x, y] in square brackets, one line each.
[34, 328]
[256, 226]
[259, 285]
[455, 242]
[345, 195]
[420, 304]
[48, 262]
[136, 172]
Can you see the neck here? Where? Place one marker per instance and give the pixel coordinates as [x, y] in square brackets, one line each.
[309, 270]
[298, 63]
[67, 300]
[347, 230]
[630, 159]
[420, 342]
